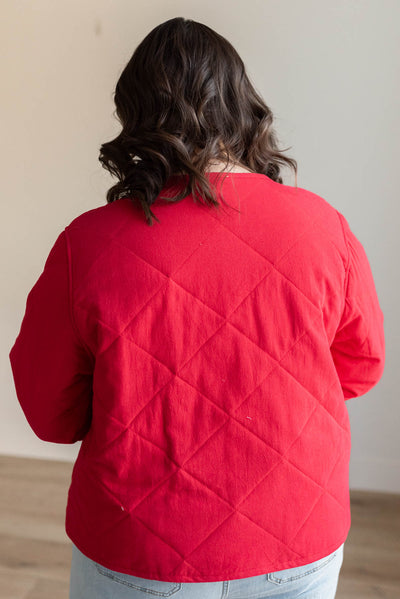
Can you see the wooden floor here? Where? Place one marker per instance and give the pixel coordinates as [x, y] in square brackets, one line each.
[35, 552]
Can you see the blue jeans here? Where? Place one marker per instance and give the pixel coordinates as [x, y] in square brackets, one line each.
[317, 580]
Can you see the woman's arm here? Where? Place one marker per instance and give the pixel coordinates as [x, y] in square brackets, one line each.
[358, 349]
[52, 370]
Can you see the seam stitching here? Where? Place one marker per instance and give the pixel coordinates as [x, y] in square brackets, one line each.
[70, 298]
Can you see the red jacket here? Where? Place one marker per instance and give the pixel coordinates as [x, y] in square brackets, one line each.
[204, 362]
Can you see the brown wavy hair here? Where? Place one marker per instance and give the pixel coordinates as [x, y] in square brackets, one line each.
[184, 99]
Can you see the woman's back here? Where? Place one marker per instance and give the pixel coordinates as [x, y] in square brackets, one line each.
[223, 344]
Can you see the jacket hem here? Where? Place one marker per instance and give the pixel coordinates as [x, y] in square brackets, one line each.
[215, 577]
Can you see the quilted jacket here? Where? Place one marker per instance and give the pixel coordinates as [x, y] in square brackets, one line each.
[204, 362]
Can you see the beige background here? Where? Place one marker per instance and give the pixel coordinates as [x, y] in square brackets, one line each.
[329, 71]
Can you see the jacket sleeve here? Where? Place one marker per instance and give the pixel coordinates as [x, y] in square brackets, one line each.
[358, 348]
[51, 368]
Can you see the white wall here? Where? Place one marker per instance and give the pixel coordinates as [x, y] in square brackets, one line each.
[329, 71]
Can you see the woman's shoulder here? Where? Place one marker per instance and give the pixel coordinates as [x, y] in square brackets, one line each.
[105, 217]
[315, 205]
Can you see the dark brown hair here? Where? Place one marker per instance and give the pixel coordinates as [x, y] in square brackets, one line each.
[183, 100]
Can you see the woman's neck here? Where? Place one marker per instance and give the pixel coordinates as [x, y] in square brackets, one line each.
[218, 166]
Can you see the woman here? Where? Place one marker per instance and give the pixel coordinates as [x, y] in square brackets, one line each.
[200, 334]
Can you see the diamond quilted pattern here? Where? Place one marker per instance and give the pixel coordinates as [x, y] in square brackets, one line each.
[186, 417]
[274, 417]
[181, 531]
[310, 363]
[335, 487]
[324, 291]
[261, 209]
[326, 514]
[268, 320]
[147, 544]
[168, 310]
[126, 289]
[87, 489]
[126, 461]
[227, 439]
[103, 228]
[218, 464]
[337, 410]
[210, 370]
[232, 272]
[311, 462]
[245, 538]
[297, 488]
[204, 363]
[123, 398]
[156, 246]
